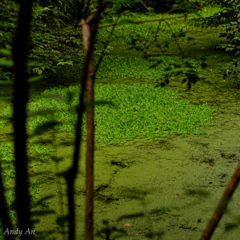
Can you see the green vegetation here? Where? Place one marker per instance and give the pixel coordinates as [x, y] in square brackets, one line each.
[227, 19]
[141, 111]
[130, 42]
[52, 50]
[125, 32]
[49, 47]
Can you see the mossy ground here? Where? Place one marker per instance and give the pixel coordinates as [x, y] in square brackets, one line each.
[168, 188]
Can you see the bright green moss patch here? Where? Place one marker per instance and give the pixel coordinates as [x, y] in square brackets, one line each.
[140, 111]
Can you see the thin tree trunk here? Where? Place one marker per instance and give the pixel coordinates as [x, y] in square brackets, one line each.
[73, 170]
[222, 206]
[86, 33]
[88, 36]
[20, 53]
[90, 156]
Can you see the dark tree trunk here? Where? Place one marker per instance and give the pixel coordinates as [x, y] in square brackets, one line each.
[20, 54]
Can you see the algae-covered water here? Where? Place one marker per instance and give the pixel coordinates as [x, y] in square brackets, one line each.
[169, 187]
[159, 189]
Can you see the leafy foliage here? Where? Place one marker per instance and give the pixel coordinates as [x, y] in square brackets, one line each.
[159, 6]
[50, 44]
[228, 19]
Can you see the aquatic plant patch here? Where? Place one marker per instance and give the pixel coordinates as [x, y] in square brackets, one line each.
[141, 111]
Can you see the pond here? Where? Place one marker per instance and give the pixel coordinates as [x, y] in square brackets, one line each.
[165, 188]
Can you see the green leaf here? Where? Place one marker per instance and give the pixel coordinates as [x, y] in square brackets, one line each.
[66, 63]
[6, 62]
[5, 51]
[37, 70]
[34, 63]
[35, 78]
